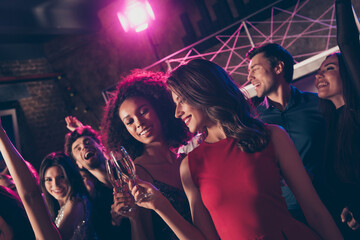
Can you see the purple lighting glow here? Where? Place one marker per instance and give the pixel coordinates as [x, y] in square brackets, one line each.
[136, 15]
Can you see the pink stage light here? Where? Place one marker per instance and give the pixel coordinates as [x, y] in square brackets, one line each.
[136, 15]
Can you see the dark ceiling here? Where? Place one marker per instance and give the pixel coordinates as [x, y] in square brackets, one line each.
[36, 20]
[26, 24]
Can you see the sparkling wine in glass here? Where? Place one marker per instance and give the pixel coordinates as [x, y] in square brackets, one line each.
[117, 182]
[126, 166]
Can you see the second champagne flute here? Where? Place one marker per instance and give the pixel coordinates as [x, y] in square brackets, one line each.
[126, 165]
[118, 183]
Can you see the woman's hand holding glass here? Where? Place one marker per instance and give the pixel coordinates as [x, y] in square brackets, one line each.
[155, 199]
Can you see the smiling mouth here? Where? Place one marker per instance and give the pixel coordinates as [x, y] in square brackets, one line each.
[256, 85]
[322, 84]
[58, 191]
[145, 131]
[187, 120]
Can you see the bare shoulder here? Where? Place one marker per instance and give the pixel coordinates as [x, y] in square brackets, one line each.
[280, 139]
[75, 206]
[277, 132]
[185, 174]
[184, 166]
[275, 128]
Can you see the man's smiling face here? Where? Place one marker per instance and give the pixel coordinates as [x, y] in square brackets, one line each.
[87, 153]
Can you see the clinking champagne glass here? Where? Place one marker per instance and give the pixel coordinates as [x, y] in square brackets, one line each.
[117, 182]
[126, 166]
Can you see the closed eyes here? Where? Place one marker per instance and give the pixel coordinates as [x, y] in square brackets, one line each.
[142, 112]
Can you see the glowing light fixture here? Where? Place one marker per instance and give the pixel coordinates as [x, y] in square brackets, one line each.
[136, 15]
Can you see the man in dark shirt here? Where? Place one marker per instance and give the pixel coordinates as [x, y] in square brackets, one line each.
[83, 145]
[271, 71]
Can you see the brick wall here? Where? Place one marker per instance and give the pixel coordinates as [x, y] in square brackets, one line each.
[41, 113]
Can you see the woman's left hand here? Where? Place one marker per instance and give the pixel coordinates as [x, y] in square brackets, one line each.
[348, 217]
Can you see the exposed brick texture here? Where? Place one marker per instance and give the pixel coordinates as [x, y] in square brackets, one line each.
[24, 67]
[40, 116]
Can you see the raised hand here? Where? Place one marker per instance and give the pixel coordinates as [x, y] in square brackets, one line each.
[72, 123]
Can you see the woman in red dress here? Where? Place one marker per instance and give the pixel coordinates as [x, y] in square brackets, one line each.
[232, 180]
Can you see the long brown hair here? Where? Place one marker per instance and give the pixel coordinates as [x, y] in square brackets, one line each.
[206, 86]
[344, 129]
[72, 175]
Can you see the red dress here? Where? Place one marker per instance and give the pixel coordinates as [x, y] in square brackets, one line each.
[242, 193]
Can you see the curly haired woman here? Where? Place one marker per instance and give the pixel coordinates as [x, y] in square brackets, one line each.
[140, 117]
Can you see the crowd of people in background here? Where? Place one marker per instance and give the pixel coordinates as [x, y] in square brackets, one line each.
[212, 164]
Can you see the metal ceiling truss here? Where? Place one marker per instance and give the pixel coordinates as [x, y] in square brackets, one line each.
[308, 35]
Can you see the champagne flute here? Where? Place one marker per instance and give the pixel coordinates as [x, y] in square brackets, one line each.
[117, 182]
[126, 166]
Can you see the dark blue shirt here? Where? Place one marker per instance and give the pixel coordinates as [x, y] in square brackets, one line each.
[303, 122]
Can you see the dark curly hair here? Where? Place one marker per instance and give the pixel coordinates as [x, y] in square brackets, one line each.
[206, 86]
[72, 175]
[152, 87]
[79, 132]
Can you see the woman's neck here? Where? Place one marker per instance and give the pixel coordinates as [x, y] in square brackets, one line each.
[63, 202]
[215, 133]
[338, 101]
[158, 151]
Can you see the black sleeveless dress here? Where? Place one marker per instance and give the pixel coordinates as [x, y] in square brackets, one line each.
[178, 200]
